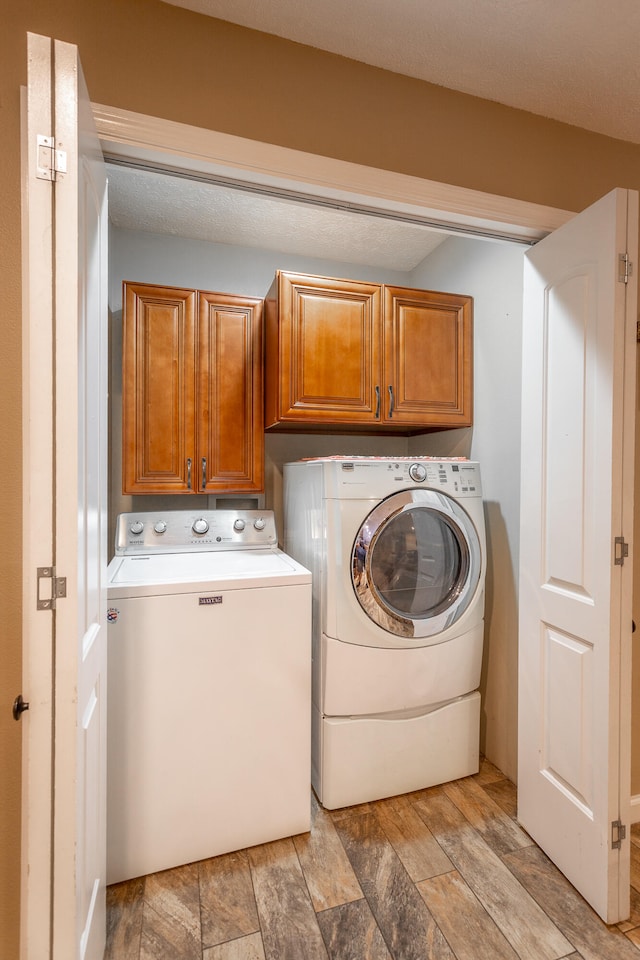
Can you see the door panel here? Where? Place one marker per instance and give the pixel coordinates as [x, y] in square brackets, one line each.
[80, 239]
[577, 496]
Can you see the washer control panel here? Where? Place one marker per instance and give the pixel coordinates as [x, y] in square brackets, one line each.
[178, 531]
[361, 477]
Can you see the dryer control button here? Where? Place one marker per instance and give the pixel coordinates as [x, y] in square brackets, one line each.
[136, 527]
[200, 526]
[418, 472]
[160, 526]
[260, 523]
[238, 524]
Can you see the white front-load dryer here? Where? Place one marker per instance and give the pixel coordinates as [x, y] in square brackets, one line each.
[397, 551]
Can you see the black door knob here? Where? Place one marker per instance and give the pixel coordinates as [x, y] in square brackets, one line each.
[19, 706]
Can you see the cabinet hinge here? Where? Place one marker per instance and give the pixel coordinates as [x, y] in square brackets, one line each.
[56, 589]
[49, 162]
[621, 550]
[618, 834]
[625, 267]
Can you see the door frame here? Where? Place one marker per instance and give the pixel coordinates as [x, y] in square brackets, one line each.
[38, 665]
[197, 151]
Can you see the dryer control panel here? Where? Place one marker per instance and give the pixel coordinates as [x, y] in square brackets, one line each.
[178, 531]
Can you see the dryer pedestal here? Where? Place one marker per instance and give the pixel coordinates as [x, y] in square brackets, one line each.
[367, 758]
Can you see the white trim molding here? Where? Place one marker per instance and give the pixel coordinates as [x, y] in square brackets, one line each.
[184, 148]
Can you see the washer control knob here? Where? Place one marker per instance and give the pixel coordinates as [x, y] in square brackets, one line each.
[200, 526]
[260, 523]
[238, 525]
[418, 472]
[160, 527]
[137, 527]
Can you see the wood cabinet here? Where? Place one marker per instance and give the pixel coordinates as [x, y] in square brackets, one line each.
[366, 356]
[192, 391]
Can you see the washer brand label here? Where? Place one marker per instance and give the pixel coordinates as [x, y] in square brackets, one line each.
[209, 601]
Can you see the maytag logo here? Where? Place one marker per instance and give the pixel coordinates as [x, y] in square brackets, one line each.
[208, 601]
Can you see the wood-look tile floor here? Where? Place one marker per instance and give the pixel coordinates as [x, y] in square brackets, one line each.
[439, 874]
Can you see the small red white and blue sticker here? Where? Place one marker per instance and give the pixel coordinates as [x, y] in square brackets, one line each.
[112, 614]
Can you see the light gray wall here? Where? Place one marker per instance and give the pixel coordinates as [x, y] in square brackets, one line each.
[246, 271]
[492, 274]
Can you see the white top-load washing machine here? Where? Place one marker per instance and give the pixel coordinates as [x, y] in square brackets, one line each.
[209, 689]
[397, 551]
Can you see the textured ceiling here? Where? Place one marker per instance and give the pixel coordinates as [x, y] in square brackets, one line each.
[573, 60]
[158, 203]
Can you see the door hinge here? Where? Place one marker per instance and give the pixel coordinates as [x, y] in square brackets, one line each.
[56, 590]
[625, 267]
[621, 550]
[49, 161]
[618, 834]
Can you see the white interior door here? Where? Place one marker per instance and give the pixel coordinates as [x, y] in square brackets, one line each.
[65, 505]
[575, 596]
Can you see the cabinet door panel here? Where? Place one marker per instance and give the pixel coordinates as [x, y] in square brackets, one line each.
[329, 349]
[428, 358]
[158, 390]
[230, 408]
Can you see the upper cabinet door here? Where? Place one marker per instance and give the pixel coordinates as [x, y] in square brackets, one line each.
[230, 404]
[323, 351]
[427, 358]
[158, 389]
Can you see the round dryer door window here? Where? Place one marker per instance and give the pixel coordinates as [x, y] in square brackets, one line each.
[416, 563]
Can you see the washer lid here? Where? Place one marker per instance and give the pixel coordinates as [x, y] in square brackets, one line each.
[191, 572]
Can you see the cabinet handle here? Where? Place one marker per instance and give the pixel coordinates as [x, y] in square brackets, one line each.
[204, 473]
[188, 473]
[391, 401]
[377, 401]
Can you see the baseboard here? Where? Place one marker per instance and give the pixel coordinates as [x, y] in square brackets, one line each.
[635, 809]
